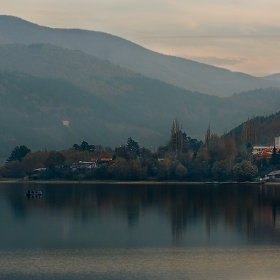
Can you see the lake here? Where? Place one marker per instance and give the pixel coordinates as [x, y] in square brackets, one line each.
[123, 231]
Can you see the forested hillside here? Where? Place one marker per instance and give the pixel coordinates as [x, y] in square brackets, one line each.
[258, 130]
[32, 110]
[97, 76]
[177, 71]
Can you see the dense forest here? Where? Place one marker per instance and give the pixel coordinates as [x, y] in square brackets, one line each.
[182, 159]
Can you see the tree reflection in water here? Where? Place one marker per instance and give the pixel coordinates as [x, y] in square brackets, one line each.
[249, 210]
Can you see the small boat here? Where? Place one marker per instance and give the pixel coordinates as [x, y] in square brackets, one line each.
[34, 193]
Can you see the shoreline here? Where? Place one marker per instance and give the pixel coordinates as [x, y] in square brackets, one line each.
[11, 180]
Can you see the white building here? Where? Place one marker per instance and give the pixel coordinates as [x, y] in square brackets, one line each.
[277, 142]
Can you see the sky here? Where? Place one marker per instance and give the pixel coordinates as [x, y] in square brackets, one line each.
[239, 35]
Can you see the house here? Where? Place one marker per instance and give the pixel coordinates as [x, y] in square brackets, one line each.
[37, 173]
[103, 161]
[274, 176]
[258, 149]
[83, 165]
[266, 153]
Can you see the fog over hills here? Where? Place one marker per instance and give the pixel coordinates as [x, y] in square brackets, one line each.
[32, 111]
[273, 77]
[177, 71]
[92, 74]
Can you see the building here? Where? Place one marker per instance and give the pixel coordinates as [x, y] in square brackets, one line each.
[277, 142]
[259, 149]
[274, 176]
[266, 151]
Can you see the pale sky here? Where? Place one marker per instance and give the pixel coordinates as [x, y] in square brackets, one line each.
[240, 35]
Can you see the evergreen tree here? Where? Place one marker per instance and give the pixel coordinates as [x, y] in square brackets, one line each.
[18, 153]
[133, 147]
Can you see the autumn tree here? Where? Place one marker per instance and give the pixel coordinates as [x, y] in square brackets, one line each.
[55, 159]
[215, 147]
[181, 172]
[230, 152]
[13, 169]
[34, 160]
[121, 169]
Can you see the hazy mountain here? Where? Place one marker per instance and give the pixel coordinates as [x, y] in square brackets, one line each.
[273, 77]
[174, 70]
[32, 111]
[97, 76]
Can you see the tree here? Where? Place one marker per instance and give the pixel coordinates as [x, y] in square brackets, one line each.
[34, 160]
[176, 142]
[164, 169]
[121, 169]
[84, 147]
[55, 159]
[245, 171]
[18, 153]
[12, 169]
[230, 152]
[215, 147]
[122, 151]
[275, 157]
[207, 136]
[181, 172]
[133, 147]
[219, 170]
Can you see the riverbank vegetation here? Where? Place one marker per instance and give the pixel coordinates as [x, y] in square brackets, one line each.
[182, 159]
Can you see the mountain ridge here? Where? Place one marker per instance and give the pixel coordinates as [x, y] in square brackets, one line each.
[177, 71]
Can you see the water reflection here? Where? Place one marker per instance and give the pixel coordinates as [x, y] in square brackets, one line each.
[196, 215]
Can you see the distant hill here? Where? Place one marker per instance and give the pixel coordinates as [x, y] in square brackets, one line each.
[258, 130]
[32, 111]
[177, 71]
[273, 77]
[92, 74]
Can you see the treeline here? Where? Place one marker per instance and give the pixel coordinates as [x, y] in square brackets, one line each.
[182, 158]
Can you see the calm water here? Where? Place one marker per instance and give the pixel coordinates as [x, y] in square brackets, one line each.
[77, 231]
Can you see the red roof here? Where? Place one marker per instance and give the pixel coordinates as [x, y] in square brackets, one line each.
[105, 159]
[267, 153]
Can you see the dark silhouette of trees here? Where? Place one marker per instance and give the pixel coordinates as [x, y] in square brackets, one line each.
[84, 147]
[133, 147]
[176, 143]
[18, 153]
[275, 157]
